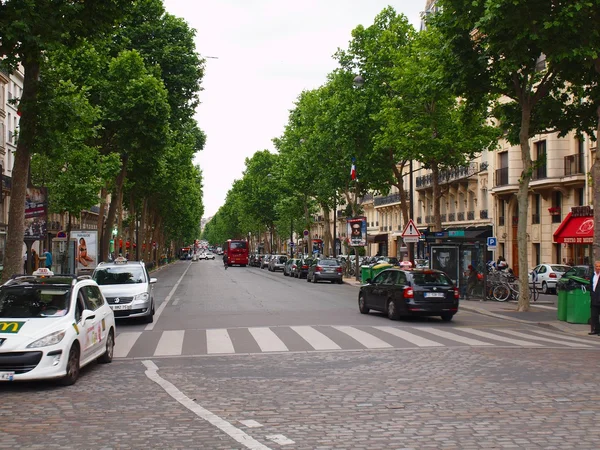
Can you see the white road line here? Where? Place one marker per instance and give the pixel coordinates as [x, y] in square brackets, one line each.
[163, 305]
[412, 338]
[453, 337]
[251, 423]
[124, 342]
[366, 339]
[171, 343]
[496, 337]
[543, 339]
[232, 431]
[279, 439]
[562, 336]
[267, 340]
[315, 338]
[533, 305]
[176, 301]
[218, 341]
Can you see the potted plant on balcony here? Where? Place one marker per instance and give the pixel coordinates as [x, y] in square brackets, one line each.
[554, 211]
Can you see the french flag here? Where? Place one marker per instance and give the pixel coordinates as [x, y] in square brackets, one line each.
[353, 169]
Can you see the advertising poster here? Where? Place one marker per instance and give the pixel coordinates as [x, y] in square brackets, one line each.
[446, 260]
[86, 250]
[357, 231]
[35, 213]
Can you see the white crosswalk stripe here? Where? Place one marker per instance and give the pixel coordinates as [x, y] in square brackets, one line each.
[267, 340]
[301, 338]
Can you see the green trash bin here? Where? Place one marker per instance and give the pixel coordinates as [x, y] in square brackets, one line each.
[578, 305]
[366, 272]
[380, 268]
[561, 313]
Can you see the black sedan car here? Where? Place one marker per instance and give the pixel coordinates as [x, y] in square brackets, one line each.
[419, 292]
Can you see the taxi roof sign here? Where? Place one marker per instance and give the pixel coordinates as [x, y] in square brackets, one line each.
[121, 260]
[43, 272]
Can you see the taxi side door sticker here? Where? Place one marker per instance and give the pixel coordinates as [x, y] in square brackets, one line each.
[11, 327]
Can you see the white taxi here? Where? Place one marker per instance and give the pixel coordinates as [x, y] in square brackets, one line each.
[51, 326]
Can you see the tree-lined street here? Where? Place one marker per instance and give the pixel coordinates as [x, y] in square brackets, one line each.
[246, 358]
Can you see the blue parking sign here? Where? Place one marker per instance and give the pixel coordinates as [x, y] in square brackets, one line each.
[492, 242]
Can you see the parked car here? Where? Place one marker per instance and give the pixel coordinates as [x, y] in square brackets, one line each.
[277, 262]
[128, 288]
[51, 326]
[290, 265]
[302, 268]
[416, 292]
[581, 271]
[546, 276]
[325, 269]
[264, 262]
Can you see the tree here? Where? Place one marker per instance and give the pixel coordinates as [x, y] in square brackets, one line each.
[498, 48]
[28, 30]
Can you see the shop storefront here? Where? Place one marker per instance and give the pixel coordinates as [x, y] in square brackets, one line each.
[576, 234]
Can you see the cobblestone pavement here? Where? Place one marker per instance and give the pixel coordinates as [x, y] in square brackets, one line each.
[436, 398]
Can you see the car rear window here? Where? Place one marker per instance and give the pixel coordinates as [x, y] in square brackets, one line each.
[431, 278]
[282, 259]
[558, 268]
[328, 262]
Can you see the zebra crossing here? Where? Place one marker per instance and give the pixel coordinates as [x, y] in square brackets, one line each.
[227, 341]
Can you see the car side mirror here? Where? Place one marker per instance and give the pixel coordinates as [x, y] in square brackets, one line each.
[153, 280]
[87, 315]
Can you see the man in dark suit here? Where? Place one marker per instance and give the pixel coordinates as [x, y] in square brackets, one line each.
[595, 299]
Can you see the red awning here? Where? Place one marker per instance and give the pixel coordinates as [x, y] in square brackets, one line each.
[575, 230]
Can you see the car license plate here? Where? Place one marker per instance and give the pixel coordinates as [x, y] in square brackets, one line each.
[120, 307]
[435, 294]
[6, 376]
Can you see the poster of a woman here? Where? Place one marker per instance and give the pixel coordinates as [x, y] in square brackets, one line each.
[86, 250]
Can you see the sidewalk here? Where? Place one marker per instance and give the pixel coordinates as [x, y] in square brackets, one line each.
[540, 313]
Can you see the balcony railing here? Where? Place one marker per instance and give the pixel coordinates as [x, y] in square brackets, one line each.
[574, 165]
[470, 215]
[448, 175]
[539, 173]
[366, 198]
[461, 216]
[451, 217]
[483, 214]
[443, 217]
[502, 176]
[389, 199]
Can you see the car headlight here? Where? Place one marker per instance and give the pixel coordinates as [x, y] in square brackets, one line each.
[51, 339]
[141, 297]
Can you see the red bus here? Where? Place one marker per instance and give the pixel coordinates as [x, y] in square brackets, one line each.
[236, 251]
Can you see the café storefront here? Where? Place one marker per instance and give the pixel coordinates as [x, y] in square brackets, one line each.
[576, 234]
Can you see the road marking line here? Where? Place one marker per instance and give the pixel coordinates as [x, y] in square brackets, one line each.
[366, 339]
[176, 301]
[218, 341]
[171, 343]
[496, 337]
[315, 338]
[279, 439]
[163, 305]
[562, 336]
[251, 423]
[453, 337]
[533, 305]
[543, 339]
[124, 342]
[267, 340]
[412, 338]
[232, 431]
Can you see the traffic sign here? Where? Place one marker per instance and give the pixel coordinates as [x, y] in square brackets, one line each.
[492, 243]
[305, 233]
[410, 239]
[411, 231]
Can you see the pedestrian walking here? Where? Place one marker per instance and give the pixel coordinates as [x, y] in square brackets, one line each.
[225, 262]
[595, 300]
[472, 281]
[47, 259]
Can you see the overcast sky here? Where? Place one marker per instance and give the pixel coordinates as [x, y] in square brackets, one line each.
[268, 52]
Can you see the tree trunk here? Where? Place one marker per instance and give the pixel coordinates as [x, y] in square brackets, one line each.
[523, 202]
[435, 181]
[103, 194]
[399, 174]
[143, 227]
[327, 239]
[307, 218]
[13, 259]
[112, 209]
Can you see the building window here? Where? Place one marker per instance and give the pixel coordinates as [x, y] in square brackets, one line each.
[557, 254]
[537, 209]
[537, 254]
[581, 197]
[556, 207]
[501, 208]
[539, 171]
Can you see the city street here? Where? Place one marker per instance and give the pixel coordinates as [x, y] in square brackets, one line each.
[248, 359]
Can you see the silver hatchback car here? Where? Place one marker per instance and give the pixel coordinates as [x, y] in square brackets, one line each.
[128, 288]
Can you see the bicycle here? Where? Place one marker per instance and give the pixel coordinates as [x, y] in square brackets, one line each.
[506, 290]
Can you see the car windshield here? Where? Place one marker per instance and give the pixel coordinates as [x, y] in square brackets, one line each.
[328, 262]
[431, 278]
[34, 301]
[577, 271]
[560, 268]
[119, 275]
[282, 259]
